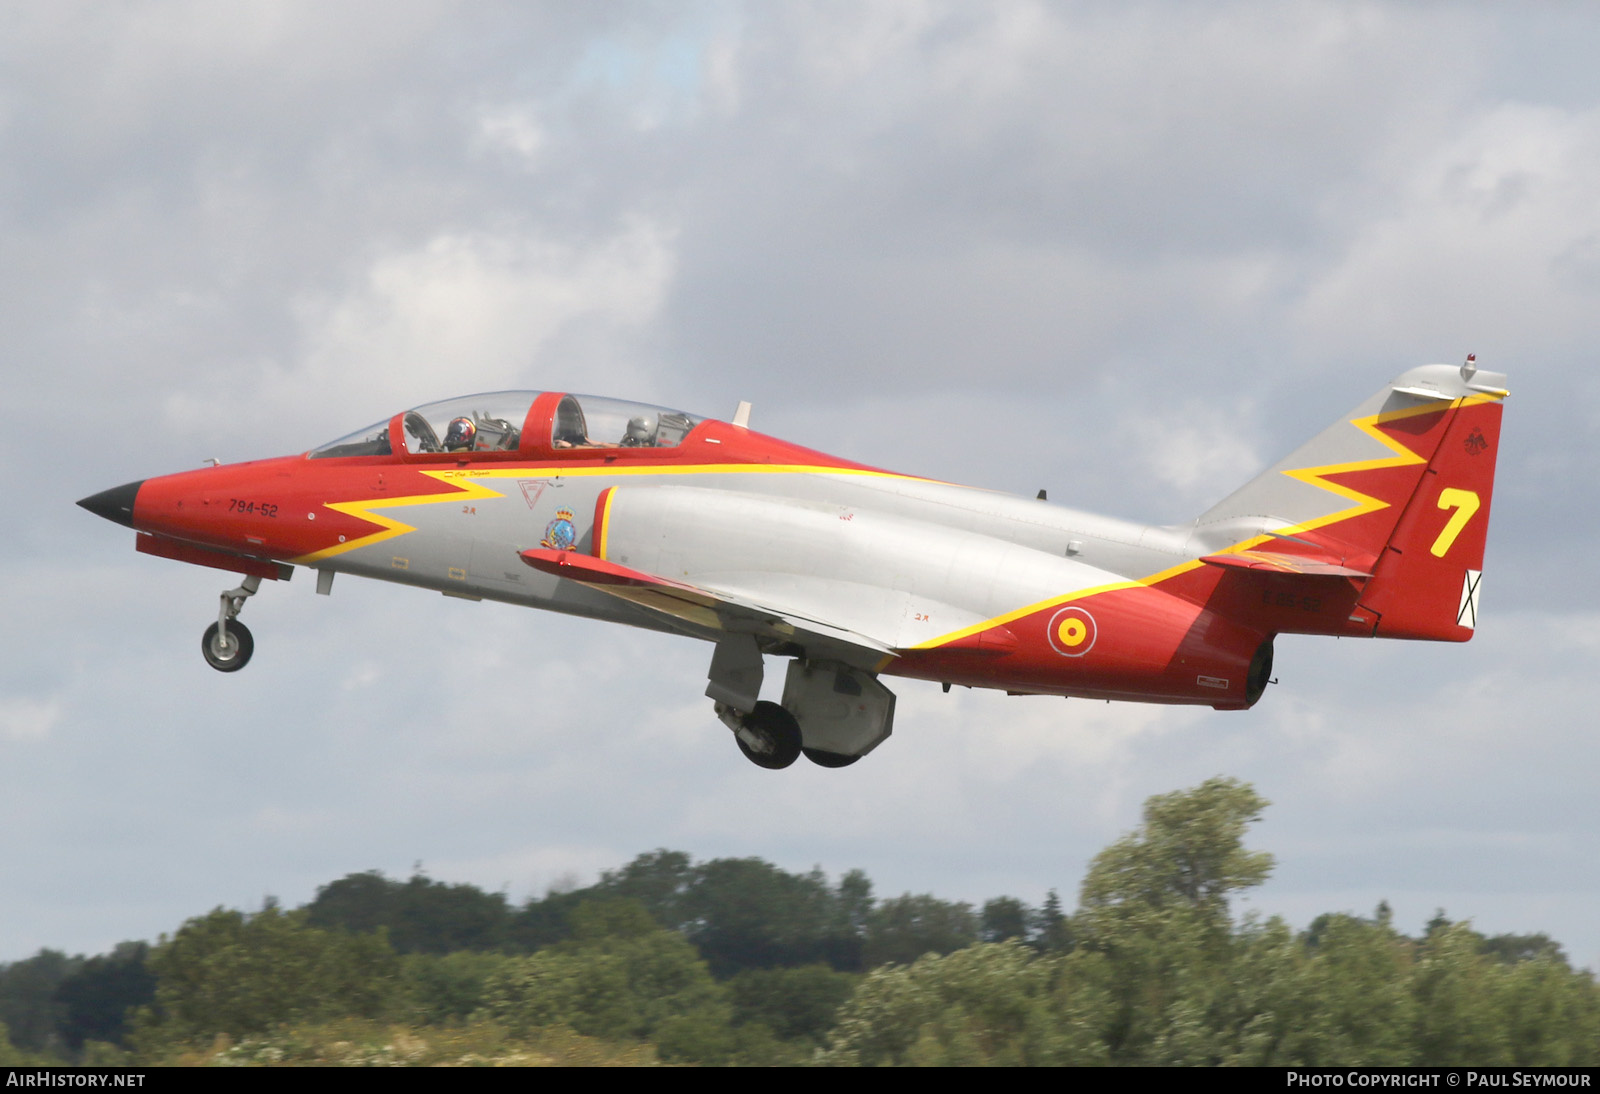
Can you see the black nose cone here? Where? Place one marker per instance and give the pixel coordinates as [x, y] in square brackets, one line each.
[114, 504]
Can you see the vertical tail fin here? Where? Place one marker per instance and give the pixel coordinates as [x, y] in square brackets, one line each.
[1427, 579]
[1398, 489]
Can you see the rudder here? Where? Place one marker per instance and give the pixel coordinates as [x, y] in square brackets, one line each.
[1394, 499]
[1427, 579]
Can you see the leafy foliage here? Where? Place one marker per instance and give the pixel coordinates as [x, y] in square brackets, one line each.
[621, 977]
[235, 974]
[991, 1003]
[420, 915]
[795, 1004]
[738, 961]
[95, 998]
[902, 929]
[28, 1006]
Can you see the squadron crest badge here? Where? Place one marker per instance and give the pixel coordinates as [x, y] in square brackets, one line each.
[560, 534]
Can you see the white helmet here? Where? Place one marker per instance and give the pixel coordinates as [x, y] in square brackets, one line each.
[641, 433]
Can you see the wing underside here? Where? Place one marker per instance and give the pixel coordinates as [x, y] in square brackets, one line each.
[711, 609]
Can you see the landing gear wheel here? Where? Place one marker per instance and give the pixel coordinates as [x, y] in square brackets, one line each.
[228, 653]
[779, 730]
[829, 759]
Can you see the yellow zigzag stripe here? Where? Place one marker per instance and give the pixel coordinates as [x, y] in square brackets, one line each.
[468, 490]
[1362, 503]
[471, 489]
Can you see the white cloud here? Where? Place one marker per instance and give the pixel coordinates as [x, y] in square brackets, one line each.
[481, 310]
[1014, 245]
[1494, 244]
[28, 719]
[513, 129]
[461, 313]
[1193, 449]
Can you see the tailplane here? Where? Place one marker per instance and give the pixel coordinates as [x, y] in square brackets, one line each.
[1393, 498]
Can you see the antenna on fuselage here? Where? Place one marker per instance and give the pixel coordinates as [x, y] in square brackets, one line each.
[741, 417]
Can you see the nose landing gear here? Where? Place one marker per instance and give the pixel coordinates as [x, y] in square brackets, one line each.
[227, 643]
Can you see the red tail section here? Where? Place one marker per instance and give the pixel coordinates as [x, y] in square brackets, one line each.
[1376, 525]
[1426, 581]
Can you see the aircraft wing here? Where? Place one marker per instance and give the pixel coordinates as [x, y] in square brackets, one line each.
[707, 608]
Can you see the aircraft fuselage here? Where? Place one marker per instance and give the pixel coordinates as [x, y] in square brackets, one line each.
[657, 519]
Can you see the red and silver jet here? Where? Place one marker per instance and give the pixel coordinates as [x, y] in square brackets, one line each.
[656, 518]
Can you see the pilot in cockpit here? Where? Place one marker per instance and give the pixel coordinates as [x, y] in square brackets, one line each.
[641, 433]
[458, 436]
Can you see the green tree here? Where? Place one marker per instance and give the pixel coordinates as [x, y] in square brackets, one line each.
[1155, 904]
[660, 880]
[1457, 991]
[95, 999]
[10, 1054]
[544, 921]
[748, 914]
[903, 928]
[620, 976]
[1512, 948]
[853, 904]
[1189, 853]
[28, 1005]
[1051, 928]
[1005, 917]
[421, 915]
[236, 974]
[1552, 1013]
[1339, 994]
[795, 1004]
[358, 903]
[991, 1003]
[449, 987]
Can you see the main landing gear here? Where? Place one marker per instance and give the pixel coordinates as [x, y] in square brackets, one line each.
[831, 713]
[768, 736]
[227, 644]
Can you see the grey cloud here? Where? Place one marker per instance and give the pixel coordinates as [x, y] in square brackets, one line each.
[1015, 246]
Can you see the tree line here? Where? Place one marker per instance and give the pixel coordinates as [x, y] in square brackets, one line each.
[736, 961]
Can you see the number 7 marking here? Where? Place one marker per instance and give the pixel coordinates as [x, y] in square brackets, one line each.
[1465, 503]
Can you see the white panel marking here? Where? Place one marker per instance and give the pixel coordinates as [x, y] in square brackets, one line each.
[1467, 613]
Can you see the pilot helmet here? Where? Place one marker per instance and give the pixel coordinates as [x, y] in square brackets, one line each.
[640, 432]
[459, 434]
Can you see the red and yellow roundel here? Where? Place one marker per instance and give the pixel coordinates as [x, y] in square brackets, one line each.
[1072, 632]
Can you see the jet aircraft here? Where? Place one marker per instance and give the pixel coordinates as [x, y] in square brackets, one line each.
[656, 518]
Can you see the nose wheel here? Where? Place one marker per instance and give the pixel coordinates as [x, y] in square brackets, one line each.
[227, 644]
[227, 650]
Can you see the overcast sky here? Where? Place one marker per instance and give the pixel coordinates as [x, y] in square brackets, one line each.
[1130, 252]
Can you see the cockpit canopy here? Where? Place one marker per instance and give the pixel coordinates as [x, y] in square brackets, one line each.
[530, 423]
[584, 421]
[494, 423]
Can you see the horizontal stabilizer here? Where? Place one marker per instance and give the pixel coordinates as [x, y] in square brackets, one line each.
[1284, 564]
